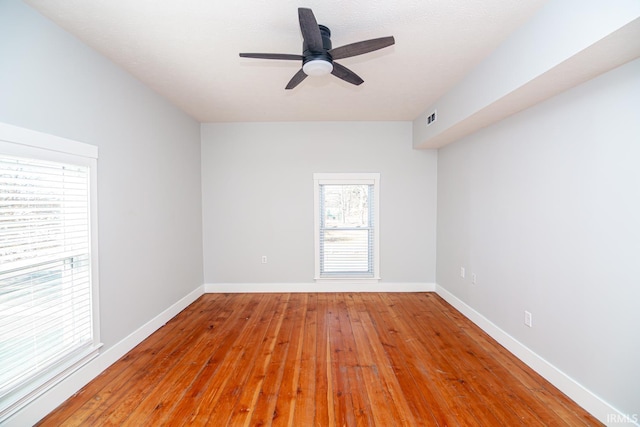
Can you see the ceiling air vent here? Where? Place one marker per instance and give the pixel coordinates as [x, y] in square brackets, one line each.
[431, 118]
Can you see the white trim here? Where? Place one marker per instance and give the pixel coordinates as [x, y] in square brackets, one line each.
[45, 141]
[576, 391]
[50, 380]
[339, 280]
[342, 286]
[50, 400]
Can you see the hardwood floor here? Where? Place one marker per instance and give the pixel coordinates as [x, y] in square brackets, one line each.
[346, 359]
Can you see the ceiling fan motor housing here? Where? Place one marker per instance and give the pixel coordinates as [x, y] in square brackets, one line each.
[326, 46]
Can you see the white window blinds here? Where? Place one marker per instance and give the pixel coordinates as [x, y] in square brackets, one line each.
[46, 312]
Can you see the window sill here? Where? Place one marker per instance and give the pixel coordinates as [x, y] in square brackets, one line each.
[339, 280]
[23, 395]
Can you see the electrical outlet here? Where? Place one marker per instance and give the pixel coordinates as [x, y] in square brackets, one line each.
[473, 278]
[462, 272]
[264, 259]
[528, 319]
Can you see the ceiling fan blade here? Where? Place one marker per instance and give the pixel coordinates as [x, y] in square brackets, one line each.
[342, 72]
[310, 31]
[359, 48]
[285, 56]
[297, 78]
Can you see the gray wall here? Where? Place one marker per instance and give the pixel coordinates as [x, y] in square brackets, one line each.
[257, 182]
[148, 168]
[545, 208]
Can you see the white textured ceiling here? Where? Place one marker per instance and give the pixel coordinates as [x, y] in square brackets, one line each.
[187, 50]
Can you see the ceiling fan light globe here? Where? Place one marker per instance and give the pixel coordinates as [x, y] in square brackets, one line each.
[317, 67]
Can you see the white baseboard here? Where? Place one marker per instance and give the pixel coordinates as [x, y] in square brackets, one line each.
[582, 396]
[231, 288]
[36, 410]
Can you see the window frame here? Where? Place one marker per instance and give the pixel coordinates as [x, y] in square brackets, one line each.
[346, 179]
[25, 143]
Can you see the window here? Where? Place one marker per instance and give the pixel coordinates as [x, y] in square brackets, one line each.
[48, 263]
[346, 226]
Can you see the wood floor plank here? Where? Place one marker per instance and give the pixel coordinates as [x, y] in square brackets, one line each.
[264, 410]
[166, 393]
[323, 359]
[357, 389]
[233, 360]
[288, 393]
[262, 319]
[559, 410]
[304, 414]
[158, 352]
[397, 400]
[342, 398]
[490, 387]
[243, 411]
[384, 408]
[250, 344]
[225, 336]
[454, 370]
[404, 339]
[123, 410]
[325, 414]
[430, 396]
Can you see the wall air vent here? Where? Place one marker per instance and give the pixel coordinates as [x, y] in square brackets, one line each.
[431, 118]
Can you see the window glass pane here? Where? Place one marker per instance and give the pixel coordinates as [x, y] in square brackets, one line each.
[346, 206]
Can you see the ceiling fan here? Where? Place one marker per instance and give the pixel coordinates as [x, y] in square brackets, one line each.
[318, 57]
